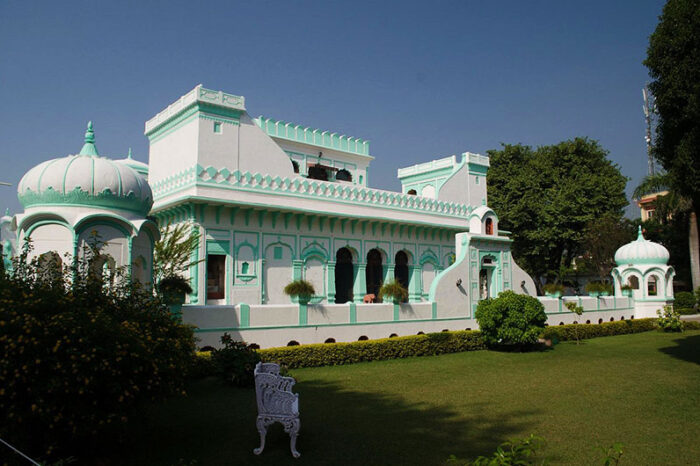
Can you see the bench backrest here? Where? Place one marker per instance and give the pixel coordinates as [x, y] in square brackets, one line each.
[273, 392]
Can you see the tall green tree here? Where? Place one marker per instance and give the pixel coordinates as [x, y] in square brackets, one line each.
[548, 196]
[673, 59]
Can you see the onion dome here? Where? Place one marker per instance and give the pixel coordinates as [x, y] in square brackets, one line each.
[641, 251]
[86, 179]
[140, 167]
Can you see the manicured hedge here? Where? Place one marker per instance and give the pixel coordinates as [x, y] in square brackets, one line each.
[620, 327]
[691, 325]
[332, 354]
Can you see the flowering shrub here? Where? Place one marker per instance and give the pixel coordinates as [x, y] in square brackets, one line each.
[77, 353]
[669, 320]
[235, 362]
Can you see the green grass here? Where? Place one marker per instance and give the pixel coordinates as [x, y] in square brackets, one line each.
[642, 390]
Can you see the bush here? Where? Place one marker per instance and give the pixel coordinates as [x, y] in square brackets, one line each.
[685, 301]
[394, 291]
[669, 320]
[174, 284]
[235, 362]
[331, 354]
[584, 331]
[511, 319]
[691, 325]
[77, 354]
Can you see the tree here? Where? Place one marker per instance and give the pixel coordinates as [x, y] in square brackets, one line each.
[673, 59]
[602, 239]
[673, 220]
[547, 196]
[172, 254]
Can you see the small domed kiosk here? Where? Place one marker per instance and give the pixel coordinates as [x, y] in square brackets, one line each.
[643, 265]
[68, 200]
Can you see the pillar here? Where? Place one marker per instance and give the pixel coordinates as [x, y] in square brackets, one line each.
[415, 287]
[330, 282]
[359, 289]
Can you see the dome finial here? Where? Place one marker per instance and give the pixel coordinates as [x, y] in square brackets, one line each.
[89, 148]
[640, 236]
[128, 156]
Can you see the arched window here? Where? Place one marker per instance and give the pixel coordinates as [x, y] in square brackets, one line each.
[318, 172]
[489, 226]
[295, 166]
[401, 268]
[652, 286]
[344, 276]
[412, 192]
[343, 175]
[634, 282]
[374, 272]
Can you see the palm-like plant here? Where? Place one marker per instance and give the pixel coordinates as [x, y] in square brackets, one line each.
[172, 254]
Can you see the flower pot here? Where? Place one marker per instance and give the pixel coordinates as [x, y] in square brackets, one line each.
[304, 299]
[627, 293]
[594, 294]
[553, 294]
[604, 293]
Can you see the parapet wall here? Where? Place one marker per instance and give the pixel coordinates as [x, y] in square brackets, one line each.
[278, 325]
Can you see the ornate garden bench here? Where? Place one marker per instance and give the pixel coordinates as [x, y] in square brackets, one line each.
[276, 403]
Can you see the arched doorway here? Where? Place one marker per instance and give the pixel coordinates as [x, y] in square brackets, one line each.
[374, 272]
[401, 268]
[343, 276]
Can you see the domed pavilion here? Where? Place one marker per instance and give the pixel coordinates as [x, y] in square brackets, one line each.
[70, 200]
[643, 265]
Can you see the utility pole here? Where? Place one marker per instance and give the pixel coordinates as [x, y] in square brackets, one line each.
[649, 112]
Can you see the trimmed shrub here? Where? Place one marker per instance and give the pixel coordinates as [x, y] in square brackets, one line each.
[511, 319]
[691, 325]
[584, 331]
[78, 354]
[235, 362]
[333, 354]
[685, 302]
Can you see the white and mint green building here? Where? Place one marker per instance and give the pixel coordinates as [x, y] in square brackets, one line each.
[72, 201]
[275, 201]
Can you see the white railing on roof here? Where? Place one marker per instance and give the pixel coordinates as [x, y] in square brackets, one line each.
[197, 94]
[425, 167]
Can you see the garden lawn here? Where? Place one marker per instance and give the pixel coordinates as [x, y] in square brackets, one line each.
[642, 390]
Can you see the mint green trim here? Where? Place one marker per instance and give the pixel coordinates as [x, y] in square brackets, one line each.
[98, 220]
[33, 226]
[191, 112]
[478, 170]
[245, 315]
[396, 312]
[434, 310]
[353, 312]
[80, 198]
[315, 137]
[303, 315]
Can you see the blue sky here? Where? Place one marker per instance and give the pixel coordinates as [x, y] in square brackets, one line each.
[420, 80]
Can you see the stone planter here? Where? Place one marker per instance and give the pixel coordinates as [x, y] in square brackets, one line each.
[627, 293]
[553, 294]
[594, 294]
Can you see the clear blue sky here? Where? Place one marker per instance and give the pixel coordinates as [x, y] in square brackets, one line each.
[420, 80]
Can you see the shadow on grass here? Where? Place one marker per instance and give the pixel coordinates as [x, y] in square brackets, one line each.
[686, 349]
[216, 425]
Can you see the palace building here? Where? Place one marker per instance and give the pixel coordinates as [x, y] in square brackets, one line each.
[275, 201]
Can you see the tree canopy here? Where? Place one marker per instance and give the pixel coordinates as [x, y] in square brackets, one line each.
[673, 59]
[548, 196]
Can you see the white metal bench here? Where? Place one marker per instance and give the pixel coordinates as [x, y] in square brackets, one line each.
[276, 403]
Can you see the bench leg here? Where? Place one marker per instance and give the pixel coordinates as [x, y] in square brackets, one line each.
[292, 427]
[261, 424]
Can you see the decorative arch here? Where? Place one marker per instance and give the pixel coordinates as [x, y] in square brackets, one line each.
[314, 249]
[402, 260]
[488, 226]
[344, 275]
[105, 218]
[277, 272]
[654, 284]
[343, 175]
[374, 271]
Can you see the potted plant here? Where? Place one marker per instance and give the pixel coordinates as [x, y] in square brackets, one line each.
[626, 290]
[300, 291]
[554, 290]
[173, 288]
[594, 289]
[606, 289]
[394, 291]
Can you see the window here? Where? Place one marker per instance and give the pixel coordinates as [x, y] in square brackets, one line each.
[343, 175]
[651, 286]
[295, 166]
[217, 127]
[634, 282]
[412, 192]
[489, 226]
[216, 275]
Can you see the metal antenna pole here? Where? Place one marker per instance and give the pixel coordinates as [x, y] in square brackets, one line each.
[649, 110]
